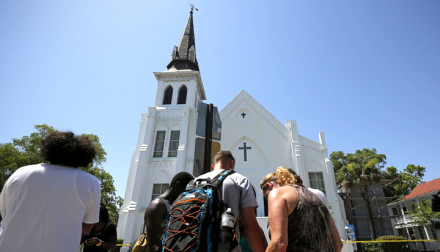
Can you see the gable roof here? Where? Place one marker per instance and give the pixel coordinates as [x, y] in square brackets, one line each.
[431, 186]
[253, 104]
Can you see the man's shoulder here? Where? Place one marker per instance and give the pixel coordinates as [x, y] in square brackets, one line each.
[214, 173]
[56, 169]
[155, 205]
[210, 174]
[237, 175]
[88, 178]
[238, 178]
[29, 168]
[24, 172]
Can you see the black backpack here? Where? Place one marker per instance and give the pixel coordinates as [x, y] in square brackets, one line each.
[194, 218]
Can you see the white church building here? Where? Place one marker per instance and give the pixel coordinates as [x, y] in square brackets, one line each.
[258, 141]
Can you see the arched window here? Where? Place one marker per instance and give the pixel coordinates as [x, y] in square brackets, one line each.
[168, 95]
[182, 95]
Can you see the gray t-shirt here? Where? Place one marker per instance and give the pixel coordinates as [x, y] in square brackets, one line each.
[237, 193]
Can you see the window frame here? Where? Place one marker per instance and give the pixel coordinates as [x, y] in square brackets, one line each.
[168, 95]
[162, 188]
[173, 143]
[181, 97]
[156, 144]
[314, 180]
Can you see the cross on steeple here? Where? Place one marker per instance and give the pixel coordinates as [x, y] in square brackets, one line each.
[184, 56]
[244, 148]
[192, 7]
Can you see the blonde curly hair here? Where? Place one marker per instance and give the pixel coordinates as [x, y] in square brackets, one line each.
[282, 176]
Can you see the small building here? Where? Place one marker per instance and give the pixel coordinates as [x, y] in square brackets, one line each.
[405, 226]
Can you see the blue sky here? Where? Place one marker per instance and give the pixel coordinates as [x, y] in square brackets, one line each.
[364, 72]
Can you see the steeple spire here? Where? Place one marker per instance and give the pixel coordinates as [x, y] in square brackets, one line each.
[184, 55]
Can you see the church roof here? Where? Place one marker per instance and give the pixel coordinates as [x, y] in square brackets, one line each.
[246, 98]
[430, 186]
[184, 55]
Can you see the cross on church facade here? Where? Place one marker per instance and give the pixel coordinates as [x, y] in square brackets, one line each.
[244, 148]
[243, 114]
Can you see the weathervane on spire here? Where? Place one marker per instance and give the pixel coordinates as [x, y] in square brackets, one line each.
[192, 7]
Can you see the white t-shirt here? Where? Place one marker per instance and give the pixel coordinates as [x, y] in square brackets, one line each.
[43, 207]
[320, 194]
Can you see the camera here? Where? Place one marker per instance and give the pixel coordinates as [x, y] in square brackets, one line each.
[435, 208]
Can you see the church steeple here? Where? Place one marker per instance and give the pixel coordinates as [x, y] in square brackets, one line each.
[184, 55]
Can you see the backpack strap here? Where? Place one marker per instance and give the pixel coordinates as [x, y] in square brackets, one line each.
[217, 180]
[167, 204]
[214, 182]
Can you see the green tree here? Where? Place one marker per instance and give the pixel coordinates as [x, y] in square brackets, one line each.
[422, 213]
[26, 151]
[339, 159]
[362, 169]
[402, 183]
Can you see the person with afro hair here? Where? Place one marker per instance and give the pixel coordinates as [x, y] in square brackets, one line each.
[46, 207]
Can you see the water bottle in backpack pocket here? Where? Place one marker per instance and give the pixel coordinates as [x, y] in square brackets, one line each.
[226, 234]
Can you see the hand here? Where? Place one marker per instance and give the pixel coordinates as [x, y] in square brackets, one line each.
[93, 241]
[99, 243]
[90, 241]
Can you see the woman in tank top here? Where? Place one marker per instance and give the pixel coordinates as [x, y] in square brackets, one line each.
[298, 218]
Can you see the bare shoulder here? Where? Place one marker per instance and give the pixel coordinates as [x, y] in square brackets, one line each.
[283, 192]
[154, 206]
[284, 195]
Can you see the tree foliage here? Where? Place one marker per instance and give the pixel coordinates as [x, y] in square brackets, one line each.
[361, 169]
[402, 183]
[364, 167]
[422, 213]
[26, 151]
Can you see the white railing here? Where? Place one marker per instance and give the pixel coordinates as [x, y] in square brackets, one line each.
[403, 219]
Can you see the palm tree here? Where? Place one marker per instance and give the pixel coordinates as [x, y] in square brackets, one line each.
[362, 169]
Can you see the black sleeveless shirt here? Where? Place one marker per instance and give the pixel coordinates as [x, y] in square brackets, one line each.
[309, 224]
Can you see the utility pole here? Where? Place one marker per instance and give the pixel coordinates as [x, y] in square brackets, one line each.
[208, 139]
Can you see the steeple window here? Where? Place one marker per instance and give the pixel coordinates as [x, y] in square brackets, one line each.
[174, 143]
[168, 95]
[183, 90]
[159, 144]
